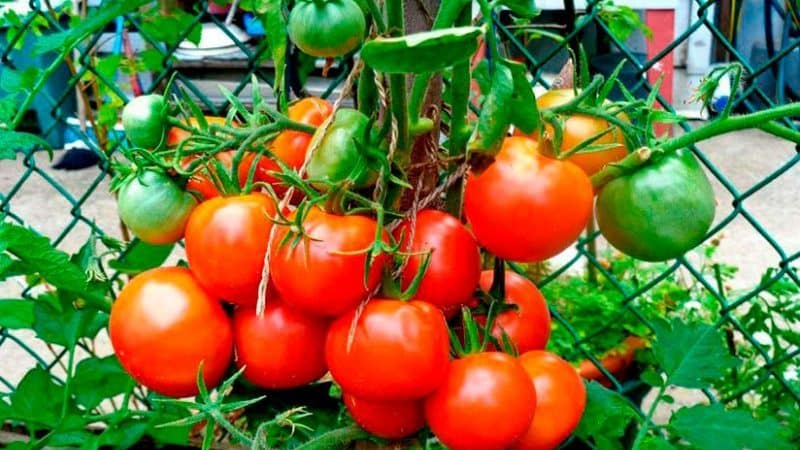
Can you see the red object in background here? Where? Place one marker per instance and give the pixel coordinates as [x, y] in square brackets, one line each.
[662, 22]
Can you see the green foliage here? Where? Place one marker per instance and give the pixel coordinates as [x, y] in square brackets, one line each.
[606, 418]
[622, 21]
[424, 52]
[712, 427]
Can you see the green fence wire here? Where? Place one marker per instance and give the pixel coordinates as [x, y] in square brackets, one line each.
[769, 80]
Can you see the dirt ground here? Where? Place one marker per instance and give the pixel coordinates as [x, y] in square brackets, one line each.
[745, 158]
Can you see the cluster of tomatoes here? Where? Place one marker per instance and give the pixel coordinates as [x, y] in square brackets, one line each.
[391, 357]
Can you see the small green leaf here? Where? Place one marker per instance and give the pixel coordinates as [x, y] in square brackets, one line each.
[655, 443]
[37, 399]
[429, 51]
[16, 314]
[57, 321]
[270, 13]
[14, 81]
[18, 140]
[97, 379]
[606, 416]
[524, 112]
[525, 9]
[692, 355]
[495, 116]
[124, 434]
[141, 256]
[712, 427]
[652, 377]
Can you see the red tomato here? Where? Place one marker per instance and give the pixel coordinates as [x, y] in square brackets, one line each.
[291, 146]
[318, 275]
[486, 402]
[226, 239]
[201, 182]
[280, 349]
[528, 326]
[454, 263]
[578, 128]
[163, 326]
[527, 207]
[399, 350]
[176, 135]
[389, 420]
[561, 398]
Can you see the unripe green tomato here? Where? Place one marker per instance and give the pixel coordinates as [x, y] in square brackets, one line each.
[145, 121]
[660, 211]
[155, 208]
[327, 28]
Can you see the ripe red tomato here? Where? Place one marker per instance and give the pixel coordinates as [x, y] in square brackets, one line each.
[561, 399]
[389, 420]
[455, 261]
[528, 326]
[163, 326]
[226, 239]
[324, 273]
[280, 349]
[399, 350]
[201, 182]
[291, 146]
[527, 207]
[486, 402]
[579, 128]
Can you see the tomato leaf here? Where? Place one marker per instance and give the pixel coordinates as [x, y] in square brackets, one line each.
[495, 116]
[712, 427]
[655, 443]
[97, 379]
[425, 52]
[37, 399]
[524, 113]
[57, 321]
[18, 140]
[14, 81]
[691, 354]
[141, 256]
[606, 416]
[525, 9]
[16, 314]
[270, 13]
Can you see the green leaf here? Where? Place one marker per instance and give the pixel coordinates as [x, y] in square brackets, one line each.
[270, 13]
[97, 379]
[141, 256]
[524, 113]
[692, 355]
[170, 28]
[712, 427]
[124, 434]
[37, 399]
[606, 416]
[57, 321]
[495, 116]
[655, 443]
[425, 52]
[525, 9]
[15, 81]
[97, 20]
[16, 314]
[18, 140]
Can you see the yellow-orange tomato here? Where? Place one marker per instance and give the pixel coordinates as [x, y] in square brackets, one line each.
[579, 128]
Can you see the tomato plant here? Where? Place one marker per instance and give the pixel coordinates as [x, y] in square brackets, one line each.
[226, 240]
[281, 348]
[527, 207]
[399, 350]
[163, 327]
[560, 400]
[145, 121]
[527, 325]
[454, 261]
[323, 271]
[486, 401]
[154, 207]
[176, 135]
[389, 420]
[326, 28]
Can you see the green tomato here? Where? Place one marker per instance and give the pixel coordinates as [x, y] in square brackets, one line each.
[660, 211]
[155, 208]
[145, 120]
[327, 28]
[345, 151]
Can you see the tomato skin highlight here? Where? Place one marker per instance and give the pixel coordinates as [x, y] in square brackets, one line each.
[389, 420]
[660, 211]
[399, 351]
[486, 402]
[155, 208]
[315, 276]
[526, 207]
[281, 349]
[326, 29]
[226, 240]
[163, 325]
[561, 400]
[454, 263]
[528, 327]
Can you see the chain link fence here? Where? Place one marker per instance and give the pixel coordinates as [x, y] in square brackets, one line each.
[140, 52]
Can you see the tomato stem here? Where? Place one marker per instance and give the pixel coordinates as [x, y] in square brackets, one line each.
[395, 21]
[621, 167]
